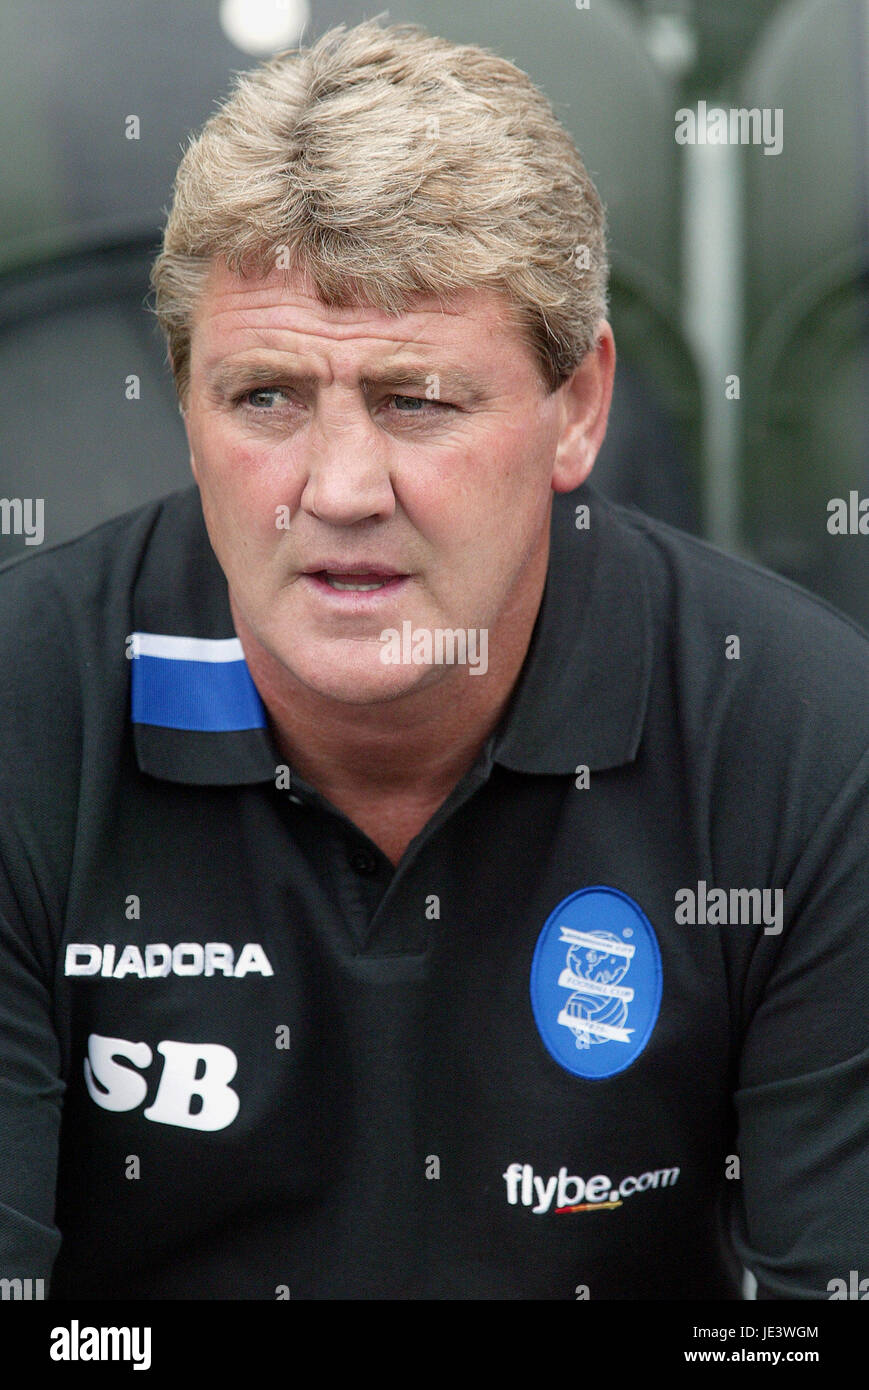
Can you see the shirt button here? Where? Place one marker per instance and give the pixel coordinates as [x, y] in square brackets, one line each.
[363, 861]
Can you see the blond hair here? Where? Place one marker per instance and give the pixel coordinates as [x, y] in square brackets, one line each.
[386, 164]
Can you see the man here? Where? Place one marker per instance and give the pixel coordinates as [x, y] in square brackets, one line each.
[410, 889]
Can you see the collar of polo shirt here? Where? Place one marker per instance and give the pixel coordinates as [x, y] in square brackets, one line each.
[580, 699]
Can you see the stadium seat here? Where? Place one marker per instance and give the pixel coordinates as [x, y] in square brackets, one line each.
[721, 34]
[72, 75]
[807, 305]
[73, 331]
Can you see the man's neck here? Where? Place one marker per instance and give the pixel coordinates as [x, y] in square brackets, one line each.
[389, 766]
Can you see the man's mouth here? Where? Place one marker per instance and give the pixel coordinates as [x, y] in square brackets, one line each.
[356, 581]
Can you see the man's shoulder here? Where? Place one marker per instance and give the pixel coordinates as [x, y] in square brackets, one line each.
[723, 579]
[706, 597]
[758, 673]
[63, 600]
[84, 570]
[65, 613]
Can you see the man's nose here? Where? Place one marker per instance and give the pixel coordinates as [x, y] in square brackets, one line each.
[349, 474]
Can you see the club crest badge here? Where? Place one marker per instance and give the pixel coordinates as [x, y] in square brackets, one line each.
[596, 982]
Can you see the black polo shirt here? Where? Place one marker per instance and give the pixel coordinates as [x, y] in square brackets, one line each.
[539, 1059]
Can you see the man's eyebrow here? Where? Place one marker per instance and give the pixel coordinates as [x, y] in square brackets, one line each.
[231, 376]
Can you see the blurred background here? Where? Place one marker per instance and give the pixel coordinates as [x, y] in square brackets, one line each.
[740, 285]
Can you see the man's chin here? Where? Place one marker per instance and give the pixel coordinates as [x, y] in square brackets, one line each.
[360, 681]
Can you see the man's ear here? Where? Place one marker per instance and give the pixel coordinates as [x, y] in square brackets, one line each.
[585, 405]
[182, 408]
[193, 467]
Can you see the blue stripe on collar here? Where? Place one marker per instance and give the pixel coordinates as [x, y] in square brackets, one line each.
[193, 683]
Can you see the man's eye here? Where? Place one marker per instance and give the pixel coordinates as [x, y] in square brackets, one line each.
[417, 401]
[255, 397]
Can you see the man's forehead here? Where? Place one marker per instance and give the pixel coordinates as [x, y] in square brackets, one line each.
[248, 306]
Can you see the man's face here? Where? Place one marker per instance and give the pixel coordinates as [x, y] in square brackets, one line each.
[359, 470]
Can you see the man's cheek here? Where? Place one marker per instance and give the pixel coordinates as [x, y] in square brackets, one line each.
[448, 511]
[259, 504]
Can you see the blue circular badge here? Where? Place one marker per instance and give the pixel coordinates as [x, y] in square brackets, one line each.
[596, 982]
